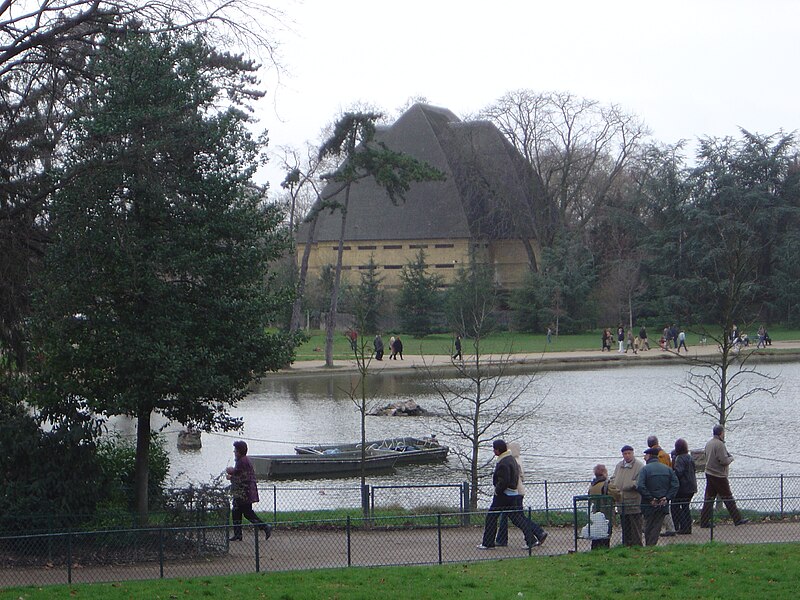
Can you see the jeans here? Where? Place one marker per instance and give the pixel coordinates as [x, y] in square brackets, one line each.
[244, 509]
[509, 506]
[502, 524]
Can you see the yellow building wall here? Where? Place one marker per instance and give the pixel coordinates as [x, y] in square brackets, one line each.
[443, 257]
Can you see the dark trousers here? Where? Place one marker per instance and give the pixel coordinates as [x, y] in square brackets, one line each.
[507, 504]
[718, 486]
[653, 521]
[502, 524]
[631, 527]
[243, 509]
[681, 514]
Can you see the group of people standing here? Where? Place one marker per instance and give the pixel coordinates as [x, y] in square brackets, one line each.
[395, 347]
[672, 337]
[658, 492]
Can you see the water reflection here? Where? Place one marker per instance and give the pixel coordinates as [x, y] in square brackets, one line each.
[584, 418]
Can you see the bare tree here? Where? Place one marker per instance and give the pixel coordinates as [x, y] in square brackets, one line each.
[577, 148]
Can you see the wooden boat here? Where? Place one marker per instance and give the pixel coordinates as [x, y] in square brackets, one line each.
[287, 466]
[409, 450]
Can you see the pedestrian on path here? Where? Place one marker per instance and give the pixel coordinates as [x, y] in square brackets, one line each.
[244, 491]
[717, 460]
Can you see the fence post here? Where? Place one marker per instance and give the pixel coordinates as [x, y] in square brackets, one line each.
[161, 553]
[465, 514]
[274, 503]
[546, 502]
[347, 529]
[365, 493]
[69, 557]
[439, 534]
[256, 531]
[781, 495]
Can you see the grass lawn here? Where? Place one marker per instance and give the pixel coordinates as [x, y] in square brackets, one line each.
[676, 571]
[502, 342]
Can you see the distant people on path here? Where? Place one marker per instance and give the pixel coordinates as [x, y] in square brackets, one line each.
[621, 338]
[606, 339]
[502, 526]
[664, 458]
[244, 491]
[717, 460]
[377, 343]
[685, 469]
[391, 347]
[657, 484]
[682, 341]
[549, 334]
[630, 343]
[643, 343]
[599, 487]
[397, 350]
[762, 337]
[457, 355]
[352, 335]
[505, 480]
[626, 495]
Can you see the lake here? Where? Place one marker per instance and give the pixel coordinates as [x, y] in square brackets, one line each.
[585, 417]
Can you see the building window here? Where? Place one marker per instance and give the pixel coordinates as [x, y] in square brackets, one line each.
[346, 267]
[393, 247]
[392, 266]
[444, 246]
[336, 248]
[418, 246]
[445, 266]
[367, 247]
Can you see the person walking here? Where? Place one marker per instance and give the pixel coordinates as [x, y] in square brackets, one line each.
[391, 348]
[717, 460]
[621, 338]
[684, 467]
[502, 525]
[457, 355]
[244, 491]
[658, 484]
[377, 343]
[623, 489]
[505, 479]
[682, 341]
[599, 487]
[398, 348]
[643, 343]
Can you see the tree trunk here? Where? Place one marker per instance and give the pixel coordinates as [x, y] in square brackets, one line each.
[295, 324]
[330, 326]
[142, 468]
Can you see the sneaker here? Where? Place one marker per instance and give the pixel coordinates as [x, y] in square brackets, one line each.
[236, 538]
[742, 522]
[482, 547]
[267, 530]
[533, 545]
[542, 539]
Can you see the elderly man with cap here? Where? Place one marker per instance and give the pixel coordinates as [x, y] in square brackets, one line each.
[658, 484]
[626, 495]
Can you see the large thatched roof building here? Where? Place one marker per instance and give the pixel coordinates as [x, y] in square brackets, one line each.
[479, 207]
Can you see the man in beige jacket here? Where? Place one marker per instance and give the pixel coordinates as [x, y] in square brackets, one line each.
[717, 460]
[627, 497]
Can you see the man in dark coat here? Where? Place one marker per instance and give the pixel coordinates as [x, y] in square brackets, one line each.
[658, 484]
[505, 479]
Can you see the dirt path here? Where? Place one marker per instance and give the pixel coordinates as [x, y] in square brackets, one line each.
[296, 550]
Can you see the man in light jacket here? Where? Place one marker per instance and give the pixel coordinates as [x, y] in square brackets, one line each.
[717, 460]
[627, 497]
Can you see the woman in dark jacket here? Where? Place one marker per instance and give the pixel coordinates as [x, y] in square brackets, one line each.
[684, 468]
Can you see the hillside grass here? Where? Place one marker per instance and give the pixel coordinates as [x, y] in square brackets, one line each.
[676, 571]
[498, 343]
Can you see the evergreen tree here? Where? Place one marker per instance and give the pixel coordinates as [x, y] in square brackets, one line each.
[418, 302]
[155, 294]
[367, 300]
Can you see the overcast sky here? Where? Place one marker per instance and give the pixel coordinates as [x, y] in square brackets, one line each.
[687, 68]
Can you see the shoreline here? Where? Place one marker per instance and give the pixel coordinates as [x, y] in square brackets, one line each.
[786, 351]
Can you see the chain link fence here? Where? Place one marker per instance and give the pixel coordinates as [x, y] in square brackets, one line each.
[442, 532]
